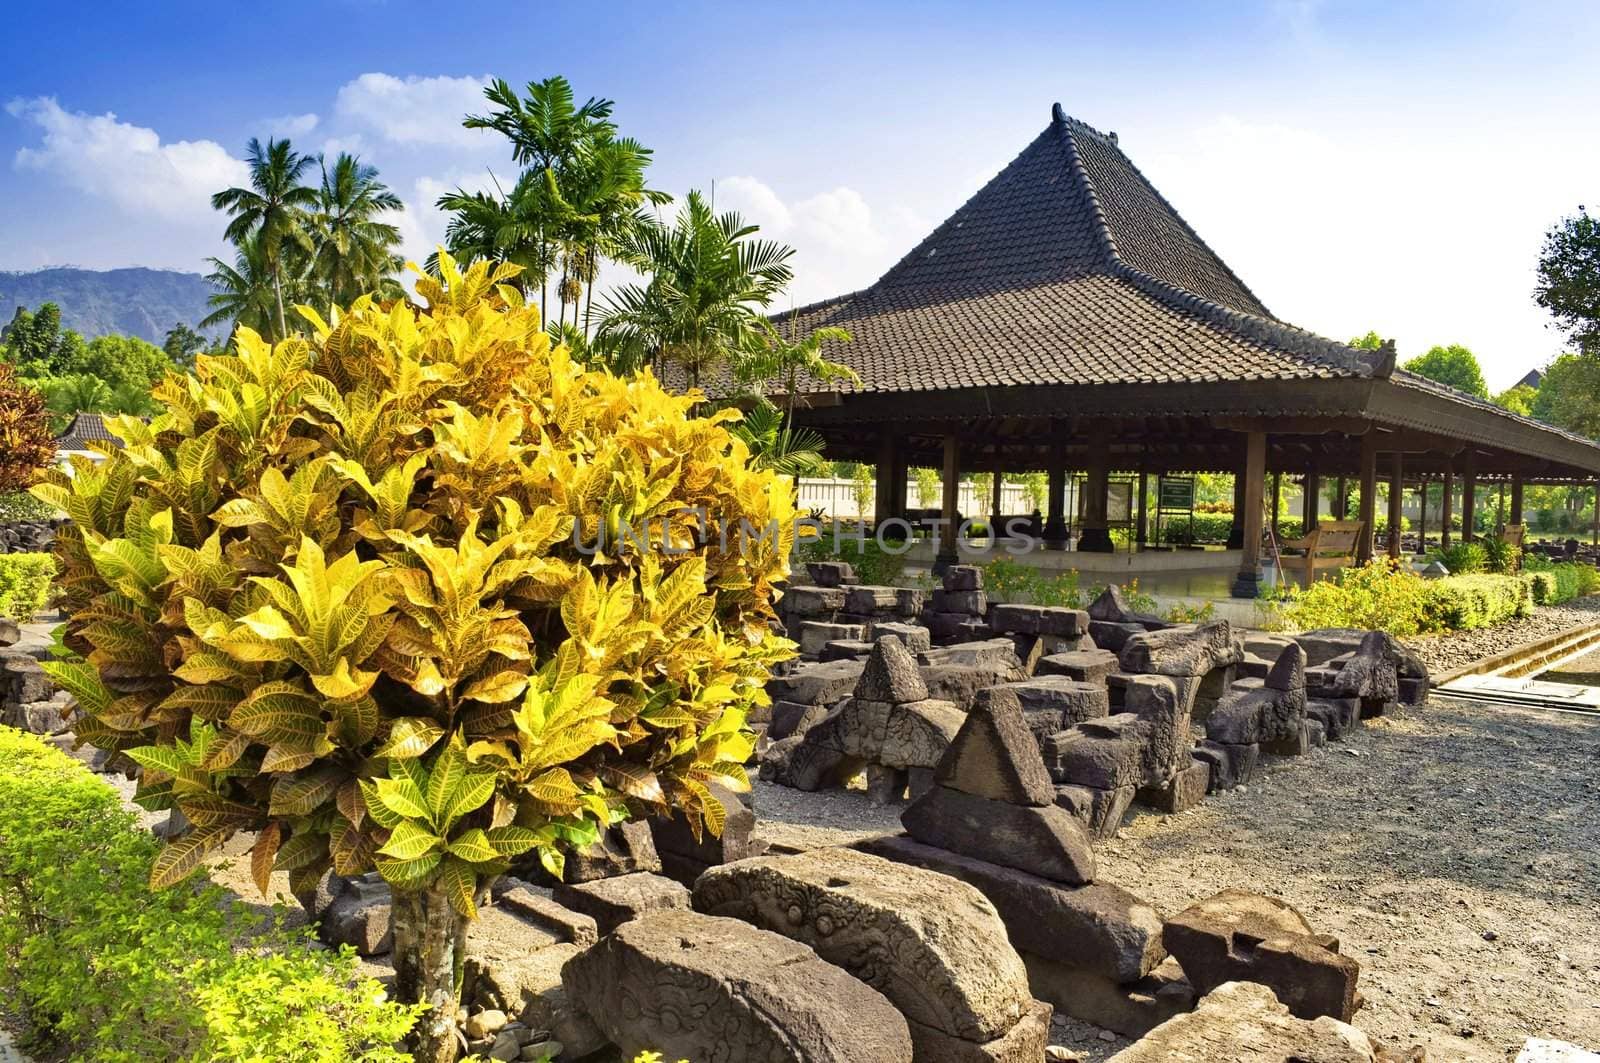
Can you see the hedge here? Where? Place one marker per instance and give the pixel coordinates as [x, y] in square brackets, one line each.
[99, 968]
[1385, 596]
[25, 584]
[1553, 584]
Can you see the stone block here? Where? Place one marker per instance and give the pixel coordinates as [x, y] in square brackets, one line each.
[1106, 753]
[1238, 935]
[868, 600]
[530, 905]
[1113, 635]
[1181, 650]
[653, 983]
[1048, 842]
[994, 754]
[10, 632]
[1132, 1009]
[1086, 666]
[1180, 793]
[621, 850]
[1068, 701]
[963, 578]
[320, 897]
[1100, 811]
[891, 675]
[817, 684]
[914, 637]
[610, 902]
[528, 988]
[22, 680]
[1242, 1021]
[683, 857]
[812, 602]
[1099, 928]
[908, 602]
[846, 650]
[972, 603]
[361, 917]
[1229, 765]
[815, 634]
[790, 718]
[830, 573]
[953, 968]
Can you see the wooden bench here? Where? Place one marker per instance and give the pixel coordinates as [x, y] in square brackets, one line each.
[1513, 535]
[1330, 545]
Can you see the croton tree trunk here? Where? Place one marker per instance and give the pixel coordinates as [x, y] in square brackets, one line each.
[429, 937]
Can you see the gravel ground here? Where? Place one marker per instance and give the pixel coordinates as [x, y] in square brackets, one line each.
[1441, 653]
[1453, 849]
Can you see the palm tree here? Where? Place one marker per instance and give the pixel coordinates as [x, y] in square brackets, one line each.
[608, 193]
[503, 227]
[244, 291]
[273, 209]
[775, 443]
[355, 251]
[778, 359]
[702, 306]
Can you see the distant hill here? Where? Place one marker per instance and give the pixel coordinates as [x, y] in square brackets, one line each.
[134, 302]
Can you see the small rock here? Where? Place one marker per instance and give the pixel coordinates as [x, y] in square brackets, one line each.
[1490, 935]
[507, 1046]
[1107, 1035]
[485, 1024]
[1057, 1054]
[542, 1050]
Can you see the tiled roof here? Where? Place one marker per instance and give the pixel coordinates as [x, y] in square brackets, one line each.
[1067, 268]
[85, 428]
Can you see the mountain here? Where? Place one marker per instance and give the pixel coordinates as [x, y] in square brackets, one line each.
[134, 302]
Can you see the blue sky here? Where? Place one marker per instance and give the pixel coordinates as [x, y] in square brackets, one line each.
[1361, 165]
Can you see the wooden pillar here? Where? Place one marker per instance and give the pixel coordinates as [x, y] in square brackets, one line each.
[1469, 497]
[1447, 508]
[1341, 511]
[1277, 500]
[1422, 518]
[1369, 497]
[1247, 582]
[1595, 534]
[1397, 497]
[1055, 525]
[948, 554]
[1096, 534]
[1516, 500]
[1142, 514]
[884, 505]
[1310, 501]
[995, 508]
[1236, 527]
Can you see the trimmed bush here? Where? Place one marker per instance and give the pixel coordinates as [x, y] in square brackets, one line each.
[25, 584]
[1553, 583]
[20, 505]
[1464, 603]
[1462, 559]
[873, 564]
[1386, 596]
[102, 969]
[1008, 580]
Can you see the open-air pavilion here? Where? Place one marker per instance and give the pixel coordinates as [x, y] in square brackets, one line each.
[1066, 319]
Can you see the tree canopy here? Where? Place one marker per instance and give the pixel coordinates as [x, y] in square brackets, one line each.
[1569, 395]
[1518, 399]
[1454, 365]
[1569, 278]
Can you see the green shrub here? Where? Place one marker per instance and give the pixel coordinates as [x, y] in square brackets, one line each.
[1379, 595]
[1462, 559]
[1008, 580]
[20, 505]
[873, 564]
[1554, 583]
[25, 584]
[1463, 603]
[1500, 555]
[102, 969]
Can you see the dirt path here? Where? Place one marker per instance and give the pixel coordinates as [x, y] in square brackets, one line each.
[1453, 849]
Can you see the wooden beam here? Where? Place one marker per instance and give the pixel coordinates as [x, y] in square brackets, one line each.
[1310, 500]
[1247, 582]
[1469, 497]
[1369, 497]
[1516, 500]
[1055, 525]
[948, 554]
[1447, 509]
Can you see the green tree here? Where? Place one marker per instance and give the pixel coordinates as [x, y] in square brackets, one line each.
[1370, 342]
[703, 305]
[1517, 398]
[1454, 366]
[246, 291]
[273, 211]
[122, 361]
[1569, 278]
[182, 343]
[37, 345]
[355, 248]
[772, 359]
[1569, 395]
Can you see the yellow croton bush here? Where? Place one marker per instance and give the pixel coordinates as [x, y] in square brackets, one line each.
[419, 592]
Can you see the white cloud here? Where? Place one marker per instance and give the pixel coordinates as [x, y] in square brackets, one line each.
[841, 244]
[291, 125]
[414, 110]
[126, 164]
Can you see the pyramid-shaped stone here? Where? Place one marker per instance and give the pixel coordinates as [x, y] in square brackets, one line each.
[994, 755]
[891, 674]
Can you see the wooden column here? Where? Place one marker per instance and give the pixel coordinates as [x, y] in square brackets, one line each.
[1422, 518]
[1595, 535]
[1277, 500]
[883, 501]
[1142, 513]
[1397, 497]
[1447, 507]
[1310, 501]
[948, 554]
[1369, 497]
[995, 508]
[1341, 510]
[1055, 525]
[1469, 497]
[1236, 527]
[1247, 582]
[1096, 534]
[1516, 500]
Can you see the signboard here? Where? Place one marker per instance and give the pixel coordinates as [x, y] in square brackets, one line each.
[1176, 493]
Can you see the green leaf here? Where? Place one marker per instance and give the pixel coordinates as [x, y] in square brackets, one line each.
[474, 847]
[381, 814]
[301, 795]
[402, 797]
[163, 759]
[303, 849]
[408, 874]
[459, 883]
[473, 792]
[410, 841]
[182, 855]
[410, 737]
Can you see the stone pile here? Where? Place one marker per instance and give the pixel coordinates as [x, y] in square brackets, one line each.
[993, 819]
[28, 536]
[836, 616]
[889, 728]
[1112, 622]
[29, 701]
[930, 944]
[956, 610]
[1041, 630]
[683, 856]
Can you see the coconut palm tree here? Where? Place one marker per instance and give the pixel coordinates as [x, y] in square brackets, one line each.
[273, 209]
[355, 249]
[776, 359]
[245, 291]
[709, 282]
